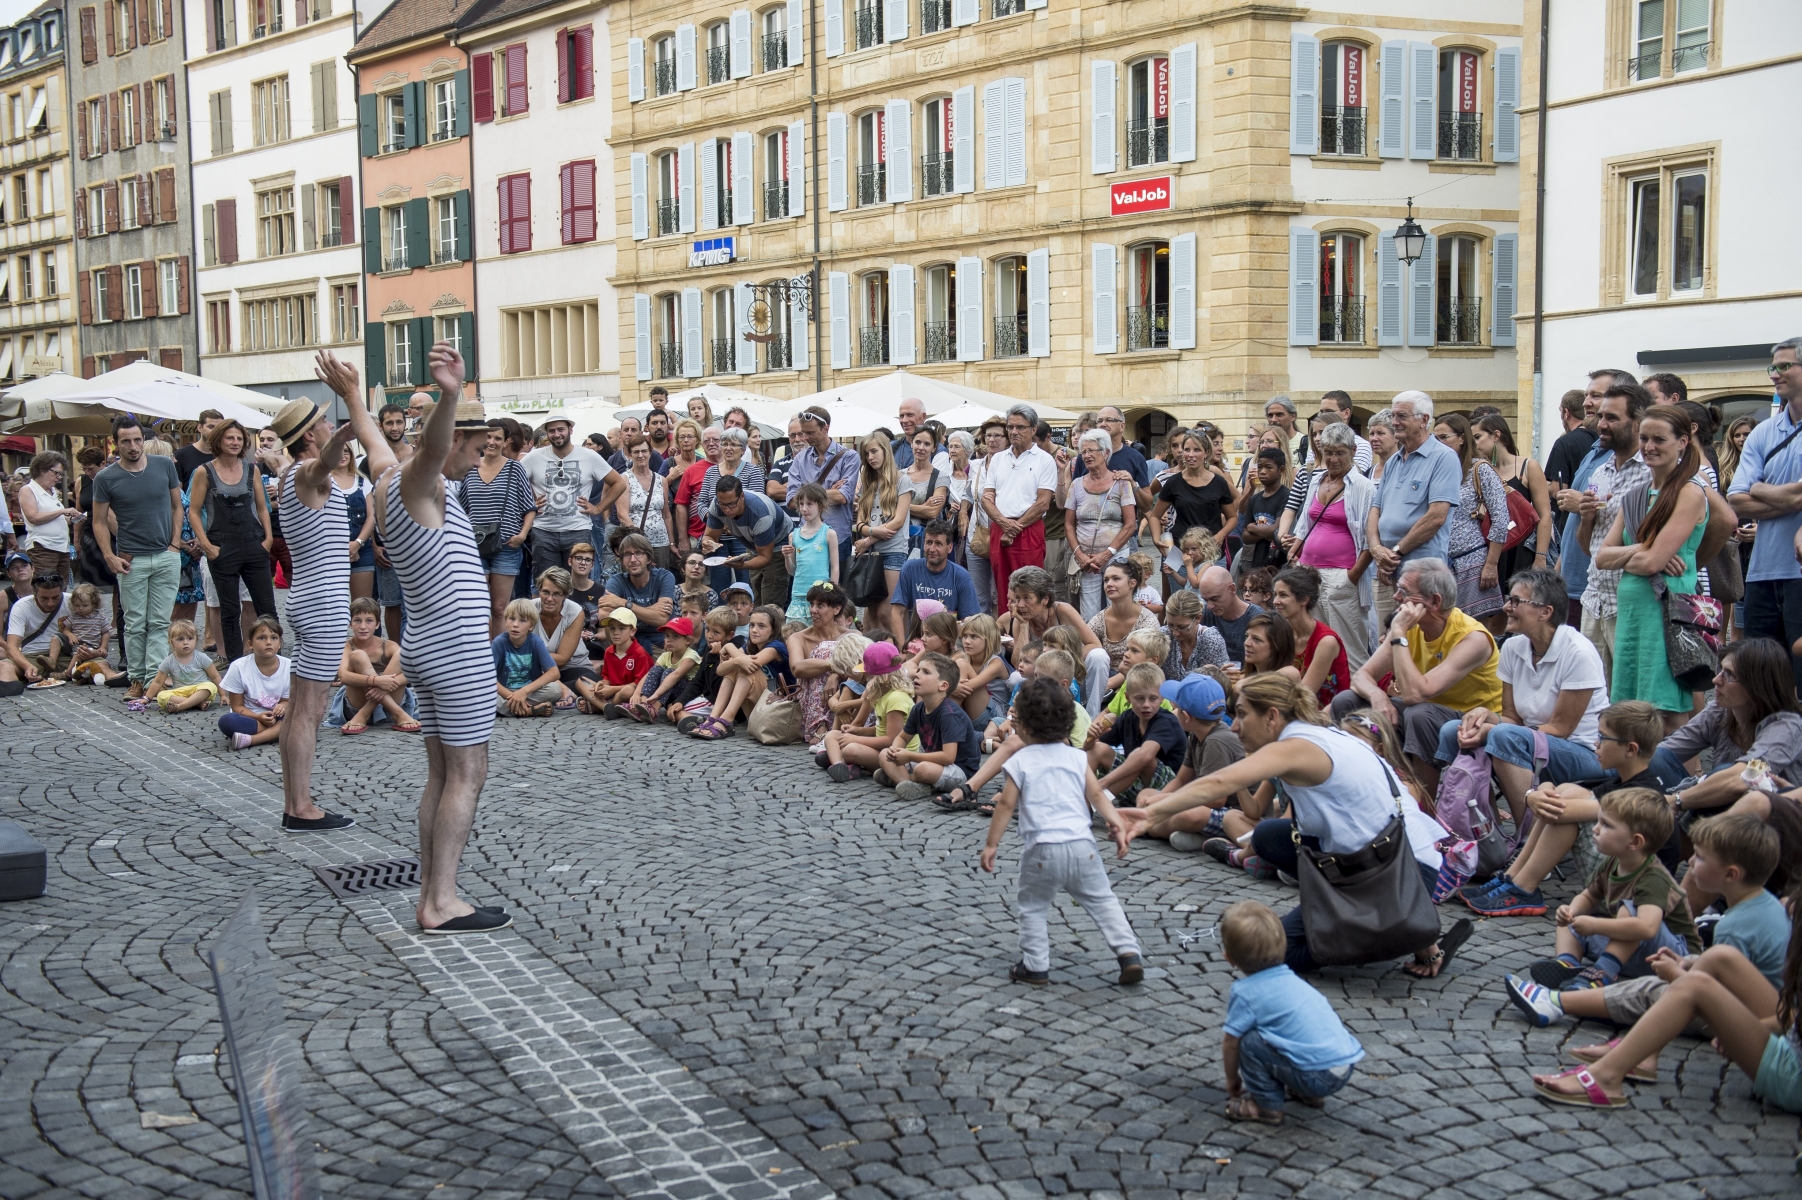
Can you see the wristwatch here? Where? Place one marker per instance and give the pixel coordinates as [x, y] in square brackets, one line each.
[1398, 641]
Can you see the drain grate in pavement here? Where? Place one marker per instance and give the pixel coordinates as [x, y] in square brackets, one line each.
[355, 879]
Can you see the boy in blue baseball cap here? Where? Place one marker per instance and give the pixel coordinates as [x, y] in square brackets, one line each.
[1201, 706]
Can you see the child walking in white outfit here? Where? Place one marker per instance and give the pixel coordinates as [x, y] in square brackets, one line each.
[1051, 782]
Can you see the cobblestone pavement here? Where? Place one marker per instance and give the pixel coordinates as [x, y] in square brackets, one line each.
[729, 977]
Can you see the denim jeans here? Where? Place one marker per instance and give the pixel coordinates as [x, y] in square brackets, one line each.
[1268, 1076]
[1774, 610]
[147, 593]
[1595, 943]
[1567, 761]
[1272, 842]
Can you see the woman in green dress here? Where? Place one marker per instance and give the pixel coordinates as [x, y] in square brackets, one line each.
[1676, 508]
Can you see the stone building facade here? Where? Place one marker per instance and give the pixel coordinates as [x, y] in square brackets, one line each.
[38, 306]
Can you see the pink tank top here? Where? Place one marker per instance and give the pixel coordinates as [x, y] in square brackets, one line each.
[1330, 541]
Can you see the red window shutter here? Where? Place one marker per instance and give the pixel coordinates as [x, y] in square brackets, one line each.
[112, 114]
[87, 364]
[481, 86]
[522, 212]
[147, 286]
[347, 213]
[225, 216]
[115, 293]
[165, 194]
[81, 129]
[170, 357]
[112, 33]
[181, 286]
[147, 112]
[583, 173]
[566, 179]
[584, 63]
[169, 17]
[516, 79]
[564, 77]
[111, 203]
[143, 190]
[506, 202]
[143, 10]
[85, 298]
[90, 53]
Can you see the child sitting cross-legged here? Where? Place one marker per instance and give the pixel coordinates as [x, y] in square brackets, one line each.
[851, 752]
[624, 662]
[369, 676]
[1049, 780]
[1631, 908]
[187, 678]
[746, 672]
[1201, 707]
[1054, 665]
[983, 691]
[1145, 747]
[1142, 646]
[656, 697]
[83, 635]
[256, 688]
[525, 674]
[939, 747]
[1280, 1035]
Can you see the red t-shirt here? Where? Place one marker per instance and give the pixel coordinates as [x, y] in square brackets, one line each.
[689, 492]
[617, 669]
[1339, 678]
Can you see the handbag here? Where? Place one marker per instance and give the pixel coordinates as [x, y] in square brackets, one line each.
[979, 534]
[776, 719]
[864, 581]
[1370, 905]
[1523, 519]
[1726, 576]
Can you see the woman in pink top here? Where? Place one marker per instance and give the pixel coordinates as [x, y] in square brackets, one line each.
[1329, 536]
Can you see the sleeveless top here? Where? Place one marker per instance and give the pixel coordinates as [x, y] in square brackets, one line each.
[1355, 802]
[316, 543]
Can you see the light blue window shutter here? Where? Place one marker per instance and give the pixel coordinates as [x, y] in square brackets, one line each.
[1507, 104]
[1389, 292]
[1304, 94]
[634, 69]
[894, 20]
[1507, 254]
[835, 28]
[1392, 115]
[797, 168]
[1013, 130]
[797, 333]
[969, 310]
[739, 54]
[1304, 287]
[797, 39]
[1183, 94]
[1038, 303]
[685, 188]
[994, 137]
[1102, 132]
[963, 140]
[743, 151]
[836, 192]
[1106, 322]
[710, 184]
[641, 200]
[1423, 91]
[901, 315]
[685, 58]
[745, 351]
[963, 12]
[641, 334]
[1182, 292]
[898, 129]
[691, 333]
[1420, 297]
[839, 285]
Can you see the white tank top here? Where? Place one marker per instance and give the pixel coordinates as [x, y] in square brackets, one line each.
[52, 534]
[1356, 802]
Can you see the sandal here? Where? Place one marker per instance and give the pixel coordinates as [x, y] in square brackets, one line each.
[407, 726]
[1590, 1055]
[582, 706]
[985, 808]
[1244, 1108]
[712, 729]
[1592, 1095]
[543, 709]
[1449, 944]
[955, 801]
[567, 702]
[352, 730]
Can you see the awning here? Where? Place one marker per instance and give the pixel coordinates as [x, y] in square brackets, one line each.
[18, 444]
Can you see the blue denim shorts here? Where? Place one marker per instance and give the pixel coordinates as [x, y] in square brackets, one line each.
[387, 587]
[895, 561]
[504, 561]
[365, 563]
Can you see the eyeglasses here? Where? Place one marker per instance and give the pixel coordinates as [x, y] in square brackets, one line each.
[1780, 368]
[1518, 601]
[1112, 421]
[1604, 737]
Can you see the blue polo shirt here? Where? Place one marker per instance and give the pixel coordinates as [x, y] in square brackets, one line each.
[1773, 552]
[1127, 458]
[1412, 480]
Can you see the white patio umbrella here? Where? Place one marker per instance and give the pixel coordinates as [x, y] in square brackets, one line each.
[50, 416]
[884, 394]
[204, 392]
[171, 399]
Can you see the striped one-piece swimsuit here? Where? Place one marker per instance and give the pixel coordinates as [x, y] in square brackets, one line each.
[319, 592]
[445, 651]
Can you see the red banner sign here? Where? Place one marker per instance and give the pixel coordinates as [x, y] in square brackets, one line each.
[1354, 77]
[1160, 87]
[1140, 195]
[945, 107]
[1467, 83]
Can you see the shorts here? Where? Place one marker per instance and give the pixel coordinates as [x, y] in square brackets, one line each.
[387, 587]
[336, 712]
[1161, 775]
[212, 593]
[1779, 1077]
[573, 674]
[950, 776]
[505, 561]
[170, 695]
[1628, 1000]
[894, 561]
[365, 564]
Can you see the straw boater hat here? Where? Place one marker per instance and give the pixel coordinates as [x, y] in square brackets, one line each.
[295, 418]
[471, 415]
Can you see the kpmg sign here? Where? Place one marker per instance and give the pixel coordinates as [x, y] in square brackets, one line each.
[1139, 195]
[711, 252]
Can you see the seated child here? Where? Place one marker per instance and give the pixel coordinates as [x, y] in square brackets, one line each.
[1048, 779]
[693, 700]
[694, 606]
[525, 675]
[624, 662]
[741, 600]
[1185, 561]
[1256, 587]
[1145, 747]
[256, 688]
[1631, 907]
[746, 673]
[847, 703]
[1565, 814]
[938, 635]
[1148, 594]
[982, 689]
[1281, 1036]
[654, 698]
[369, 676]
[849, 753]
[187, 678]
[1142, 646]
[948, 747]
[1201, 707]
[82, 636]
[1054, 665]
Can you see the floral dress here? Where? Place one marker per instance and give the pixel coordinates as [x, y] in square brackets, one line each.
[1468, 549]
[816, 718]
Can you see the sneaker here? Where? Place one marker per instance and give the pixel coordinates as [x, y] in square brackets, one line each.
[844, 772]
[1132, 969]
[1494, 883]
[882, 779]
[1554, 973]
[1539, 1004]
[240, 741]
[1187, 842]
[907, 789]
[1219, 849]
[1588, 977]
[616, 712]
[325, 824]
[1256, 867]
[1508, 901]
[821, 761]
[1019, 974]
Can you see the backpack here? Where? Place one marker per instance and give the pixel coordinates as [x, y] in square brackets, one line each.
[1464, 809]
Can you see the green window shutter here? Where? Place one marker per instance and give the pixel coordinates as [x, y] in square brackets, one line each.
[366, 119]
[460, 202]
[372, 241]
[422, 345]
[460, 124]
[375, 354]
[466, 337]
[409, 101]
[419, 229]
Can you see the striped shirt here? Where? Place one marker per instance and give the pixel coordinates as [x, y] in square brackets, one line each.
[504, 502]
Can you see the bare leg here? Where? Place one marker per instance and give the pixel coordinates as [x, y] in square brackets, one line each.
[359, 700]
[391, 620]
[1515, 781]
[362, 586]
[500, 590]
[299, 735]
[447, 809]
[1547, 844]
[391, 706]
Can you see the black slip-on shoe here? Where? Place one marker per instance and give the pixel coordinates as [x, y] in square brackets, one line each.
[1020, 974]
[329, 823]
[482, 920]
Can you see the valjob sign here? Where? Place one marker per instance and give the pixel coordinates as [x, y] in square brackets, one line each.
[1140, 195]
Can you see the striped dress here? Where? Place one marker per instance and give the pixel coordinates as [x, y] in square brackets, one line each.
[445, 651]
[319, 591]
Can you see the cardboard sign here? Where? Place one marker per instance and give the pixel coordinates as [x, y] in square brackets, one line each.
[1140, 195]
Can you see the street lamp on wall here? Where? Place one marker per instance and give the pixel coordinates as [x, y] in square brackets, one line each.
[1410, 238]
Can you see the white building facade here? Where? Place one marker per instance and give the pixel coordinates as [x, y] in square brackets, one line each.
[1668, 167]
[547, 321]
[277, 209]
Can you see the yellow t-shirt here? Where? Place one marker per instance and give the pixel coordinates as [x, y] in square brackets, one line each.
[665, 660]
[900, 700]
[1482, 686]
[1080, 729]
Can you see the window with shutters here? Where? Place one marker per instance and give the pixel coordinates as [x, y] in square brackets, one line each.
[218, 326]
[281, 322]
[664, 64]
[394, 235]
[400, 353]
[510, 83]
[46, 193]
[936, 168]
[1460, 111]
[577, 190]
[941, 313]
[872, 319]
[722, 356]
[100, 285]
[128, 203]
[266, 16]
[394, 122]
[1341, 289]
[24, 275]
[553, 339]
[37, 123]
[1148, 296]
[775, 175]
[168, 286]
[122, 21]
[128, 118]
[1458, 296]
[774, 24]
[869, 23]
[719, 52]
[165, 109]
[1343, 100]
[444, 229]
[347, 318]
[48, 262]
[158, 31]
[330, 221]
[669, 180]
[1010, 306]
[444, 110]
[96, 212]
[1148, 111]
[1668, 37]
[575, 70]
[668, 320]
[872, 157]
[97, 126]
[135, 283]
[275, 223]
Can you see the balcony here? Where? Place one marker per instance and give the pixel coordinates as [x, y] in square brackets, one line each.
[778, 354]
[872, 347]
[872, 184]
[775, 51]
[719, 64]
[941, 341]
[395, 260]
[775, 200]
[330, 238]
[1010, 335]
[1006, 8]
[869, 26]
[669, 217]
[724, 357]
[1460, 323]
[1342, 320]
[936, 174]
[935, 16]
[1148, 327]
[444, 252]
[665, 76]
[723, 206]
[1342, 130]
[1689, 58]
[1648, 64]
[669, 360]
[1461, 137]
[1147, 142]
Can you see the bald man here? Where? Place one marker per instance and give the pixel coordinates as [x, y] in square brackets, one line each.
[1226, 612]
